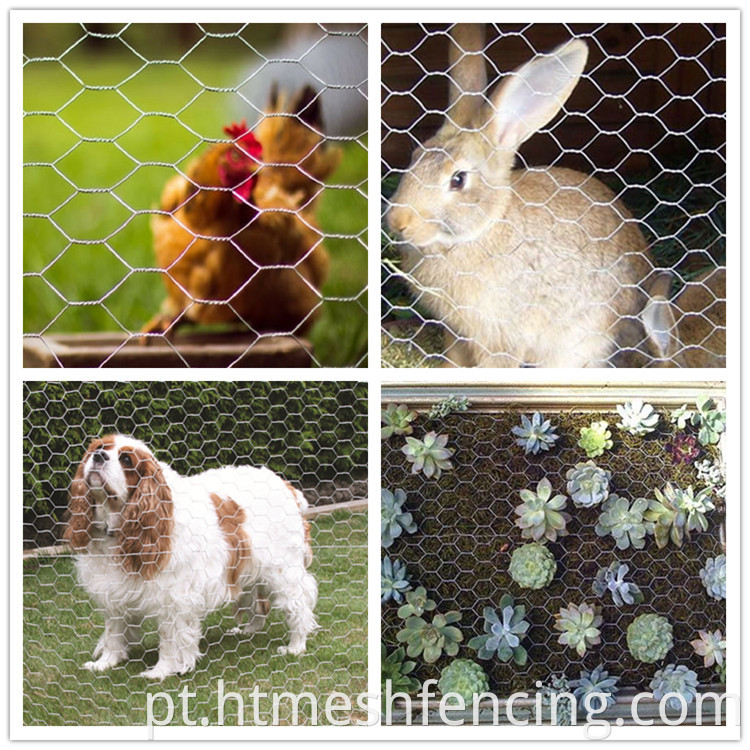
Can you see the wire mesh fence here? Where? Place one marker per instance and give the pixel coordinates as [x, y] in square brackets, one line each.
[282, 546]
[466, 528]
[604, 246]
[183, 177]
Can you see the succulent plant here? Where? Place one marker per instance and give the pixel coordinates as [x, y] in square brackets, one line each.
[396, 420]
[637, 418]
[714, 577]
[580, 625]
[674, 679]
[393, 518]
[624, 521]
[711, 646]
[683, 449]
[676, 513]
[535, 434]
[539, 515]
[431, 639]
[612, 580]
[447, 406]
[711, 474]
[559, 708]
[595, 439]
[417, 604]
[532, 566]
[588, 485]
[429, 456]
[649, 638]
[465, 678]
[394, 580]
[710, 421]
[682, 417]
[504, 631]
[597, 682]
[394, 668]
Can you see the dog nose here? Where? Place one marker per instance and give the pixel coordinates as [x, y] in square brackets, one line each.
[100, 457]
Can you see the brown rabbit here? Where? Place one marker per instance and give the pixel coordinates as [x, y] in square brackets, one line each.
[534, 267]
[690, 330]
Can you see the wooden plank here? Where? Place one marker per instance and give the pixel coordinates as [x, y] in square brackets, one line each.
[187, 350]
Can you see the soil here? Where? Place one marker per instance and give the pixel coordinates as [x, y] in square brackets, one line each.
[466, 535]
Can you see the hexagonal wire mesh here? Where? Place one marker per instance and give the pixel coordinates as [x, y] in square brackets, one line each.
[549, 274]
[117, 115]
[466, 534]
[313, 435]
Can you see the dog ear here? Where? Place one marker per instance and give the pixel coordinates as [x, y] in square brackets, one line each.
[80, 513]
[145, 537]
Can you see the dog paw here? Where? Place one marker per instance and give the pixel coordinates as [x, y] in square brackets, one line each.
[155, 673]
[291, 650]
[100, 665]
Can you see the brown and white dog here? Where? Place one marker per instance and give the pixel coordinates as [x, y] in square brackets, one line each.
[153, 543]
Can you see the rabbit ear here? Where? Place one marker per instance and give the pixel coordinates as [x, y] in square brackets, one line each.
[658, 317]
[468, 75]
[531, 96]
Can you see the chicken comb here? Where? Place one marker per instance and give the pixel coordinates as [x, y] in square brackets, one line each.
[244, 138]
[237, 131]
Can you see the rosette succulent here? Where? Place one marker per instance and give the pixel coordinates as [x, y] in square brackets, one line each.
[393, 518]
[683, 449]
[588, 485]
[394, 580]
[649, 638]
[431, 639]
[675, 513]
[417, 603]
[711, 646]
[429, 456]
[504, 631]
[674, 679]
[710, 473]
[465, 678]
[396, 420]
[535, 434]
[637, 418]
[682, 417]
[532, 566]
[714, 577]
[612, 581]
[624, 522]
[558, 707]
[595, 439]
[597, 682]
[710, 421]
[540, 516]
[393, 668]
[447, 406]
[580, 625]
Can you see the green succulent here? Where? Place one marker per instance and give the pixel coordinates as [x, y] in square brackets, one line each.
[429, 456]
[447, 406]
[710, 421]
[554, 703]
[395, 580]
[540, 516]
[649, 638]
[637, 418]
[394, 668]
[504, 632]
[682, 417]
[624, 522]
[431, 639]
[674, 679]
[465, 678]
[595, 439]
[599, 683]
[675, 513]
[711, 474]
[532, 566]
[714, 577]
[417, 604]
[588, 485]
[393, 518]
[535, 434]
[396, 420]
[580, 625]
[612, 581]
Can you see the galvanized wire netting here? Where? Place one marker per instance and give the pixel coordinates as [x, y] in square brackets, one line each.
[137, 187]
[647, 118]
[311, 435]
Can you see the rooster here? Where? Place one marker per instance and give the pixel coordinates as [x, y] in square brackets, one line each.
[237, 235]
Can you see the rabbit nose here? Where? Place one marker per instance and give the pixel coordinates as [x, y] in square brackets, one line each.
[398, 218]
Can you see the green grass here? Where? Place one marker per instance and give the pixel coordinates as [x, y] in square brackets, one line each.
[86, 228]
[61, 629]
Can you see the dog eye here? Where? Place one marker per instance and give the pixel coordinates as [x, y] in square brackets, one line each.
[126, 461]
[458, 180]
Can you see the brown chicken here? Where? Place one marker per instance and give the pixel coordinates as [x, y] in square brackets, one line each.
[238, 239]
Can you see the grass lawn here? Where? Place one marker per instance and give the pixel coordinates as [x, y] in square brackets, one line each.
[95, 164]
[61, 629]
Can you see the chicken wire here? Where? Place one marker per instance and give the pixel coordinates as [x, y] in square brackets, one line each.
[466, 533]
[647, 118]
[314, 435]
[112, 112]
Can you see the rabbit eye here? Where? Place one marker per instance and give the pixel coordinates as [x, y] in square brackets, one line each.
[458, 180]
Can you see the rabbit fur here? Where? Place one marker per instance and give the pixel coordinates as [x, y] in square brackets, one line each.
[524, 267]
